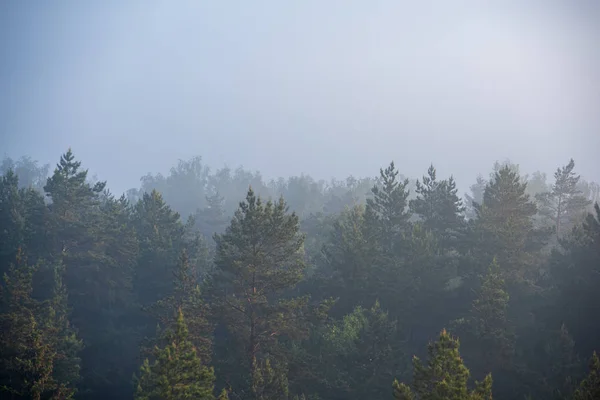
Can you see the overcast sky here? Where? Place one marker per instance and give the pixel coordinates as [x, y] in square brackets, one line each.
[328, 88]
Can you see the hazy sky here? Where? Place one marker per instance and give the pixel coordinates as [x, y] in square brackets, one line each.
[329, 88]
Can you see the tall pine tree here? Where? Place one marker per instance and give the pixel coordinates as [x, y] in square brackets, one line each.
[258, 258]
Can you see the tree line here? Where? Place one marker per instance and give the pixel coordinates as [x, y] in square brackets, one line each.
[203, 285]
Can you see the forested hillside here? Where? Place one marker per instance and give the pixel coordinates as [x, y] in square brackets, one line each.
[204, 284]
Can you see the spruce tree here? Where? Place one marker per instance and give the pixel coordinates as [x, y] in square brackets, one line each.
[445, 377]
[260, 256]
[177, 372]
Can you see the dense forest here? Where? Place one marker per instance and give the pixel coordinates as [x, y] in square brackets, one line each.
[204, 284]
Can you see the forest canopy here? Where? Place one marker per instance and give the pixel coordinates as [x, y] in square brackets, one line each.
[203, 284]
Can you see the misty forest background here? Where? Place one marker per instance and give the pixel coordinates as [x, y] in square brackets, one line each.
[202, 284]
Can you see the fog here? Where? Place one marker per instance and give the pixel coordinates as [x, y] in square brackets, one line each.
[324, 88]
[433, 187]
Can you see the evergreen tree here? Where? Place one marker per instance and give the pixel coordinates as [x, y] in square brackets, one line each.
[269, 382]
[589, 388]
[260, 256]
[162, 237]
[38, 348]
[212, 219]
[563, 364]
[445, 377]
[439, 207]
[575, 279]
[564, 202]
[92, 236]
[386, 211]
[475, 198]
[177, 372]
[505, 229]
[24, 219]
[349, 261]
[358, 355]
[187, 297]
[490, 321]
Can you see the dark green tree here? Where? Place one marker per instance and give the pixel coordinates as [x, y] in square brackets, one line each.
[445, 377]
[505, 228]
[258, 258]
[349, 261]
[575, 278]
[38, 348]
[177, 372]
[387, 213]
[93, 237]
[162, 238]
[187, 297]
[359, 355]
[440, 209]
[24, 218]
[589, 388]
[490, 321]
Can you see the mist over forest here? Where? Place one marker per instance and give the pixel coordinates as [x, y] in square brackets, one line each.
[299, 201]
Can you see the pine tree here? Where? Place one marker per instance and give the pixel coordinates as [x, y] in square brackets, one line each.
[38, 349]
[212, 219]
[475, 198]
[67, 365]
[349, 259]
[24, 218]
[162, 238]
[445, 377]
[177, 372]
[562, 365]
[386, 211]
[439, 207]
[575, 277]
[93, 237]
[505, 230]
[269, 381]
[489, 319]
[187, 297]
[260, 256]
[564, 203]
[589, 388]
[358, 354]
